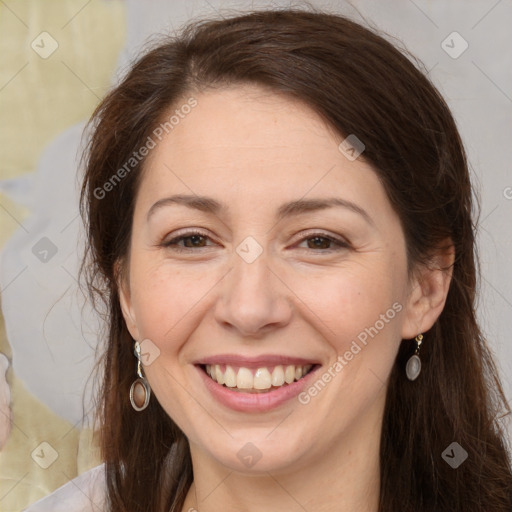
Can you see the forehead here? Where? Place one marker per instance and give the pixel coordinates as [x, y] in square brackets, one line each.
[251, 120]
[249, 143]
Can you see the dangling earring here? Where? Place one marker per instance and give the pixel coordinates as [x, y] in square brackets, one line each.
[413, 367]
[140, 391]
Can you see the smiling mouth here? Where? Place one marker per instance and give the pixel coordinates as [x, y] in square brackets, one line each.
[256, 380]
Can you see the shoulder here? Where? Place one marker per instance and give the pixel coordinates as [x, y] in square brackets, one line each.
[85, 493]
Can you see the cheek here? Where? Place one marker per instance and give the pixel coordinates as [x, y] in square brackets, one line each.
[362, 306]
[351, 300]
[166, 299]
[363, 309]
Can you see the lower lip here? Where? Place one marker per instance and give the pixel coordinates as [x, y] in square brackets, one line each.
[254, 402]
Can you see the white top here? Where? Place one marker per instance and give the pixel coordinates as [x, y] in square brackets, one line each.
[85, 493]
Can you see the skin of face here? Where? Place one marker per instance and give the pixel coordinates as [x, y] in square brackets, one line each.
[252, 151]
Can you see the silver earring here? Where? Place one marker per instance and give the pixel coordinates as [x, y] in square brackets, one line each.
[413, 367]
[140, 392]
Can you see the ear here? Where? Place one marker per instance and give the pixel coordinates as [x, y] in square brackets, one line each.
[123, 285]
[428, 291]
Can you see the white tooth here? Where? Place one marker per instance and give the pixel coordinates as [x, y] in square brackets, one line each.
[305, 369]
[208, 370]
[298, 372]
[278, 376]
[219, 376]
[289, 374]
[262, 379]
[229, 377]
[244, 379]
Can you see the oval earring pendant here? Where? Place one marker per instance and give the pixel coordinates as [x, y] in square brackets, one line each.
[140, 393]
[413, 367]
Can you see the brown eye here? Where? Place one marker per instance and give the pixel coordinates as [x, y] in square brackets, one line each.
[319, 242]
[323, 243]
[191, 240]
[194, 241]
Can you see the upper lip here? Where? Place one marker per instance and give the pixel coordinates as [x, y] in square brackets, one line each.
[255, 362]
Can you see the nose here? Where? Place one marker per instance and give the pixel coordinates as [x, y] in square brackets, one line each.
[253, 299]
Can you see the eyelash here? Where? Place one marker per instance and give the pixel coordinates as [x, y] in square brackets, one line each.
[173, 243]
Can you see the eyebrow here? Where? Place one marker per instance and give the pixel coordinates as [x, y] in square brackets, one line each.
[289, 209]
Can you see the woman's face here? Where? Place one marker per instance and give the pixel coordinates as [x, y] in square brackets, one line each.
[259, 249]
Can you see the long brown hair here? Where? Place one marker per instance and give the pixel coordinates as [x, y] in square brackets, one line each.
[359, 83]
